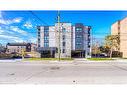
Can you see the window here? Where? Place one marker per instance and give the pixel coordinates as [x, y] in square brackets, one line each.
[63, 50]
[88, 44]
[78, 36]
[63, 29]
[78, 43]
[89, 32]
[56, 50]
[38, 40]
[63, 37]
[46, 44]
[45, 31]
[78, 29]
[46, 38]
[38, 28]
[38, 35]
[64, 44]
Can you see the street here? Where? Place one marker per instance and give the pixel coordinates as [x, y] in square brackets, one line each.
[76, 72]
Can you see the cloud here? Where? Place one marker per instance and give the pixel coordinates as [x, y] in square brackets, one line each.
[8, 22]
[17, 20]
[0, 14]
[5, 30]
[33, 39]
[16, 32]
[12, 38]
[28, 24]
[16, 29]
[1, 31]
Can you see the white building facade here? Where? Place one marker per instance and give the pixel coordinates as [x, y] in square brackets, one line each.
[75, 40]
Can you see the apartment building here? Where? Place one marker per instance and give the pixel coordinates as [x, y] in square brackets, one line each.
[74, 40]
[120, 28]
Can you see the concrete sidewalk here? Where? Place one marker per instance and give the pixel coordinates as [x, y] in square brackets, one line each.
[76, 60]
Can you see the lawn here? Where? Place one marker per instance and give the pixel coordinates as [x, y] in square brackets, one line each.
[99, 59]
[39, 59]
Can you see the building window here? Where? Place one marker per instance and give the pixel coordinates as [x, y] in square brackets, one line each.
[89, 32]
[78, 36]
[63, 50]
[46, 29]
[46, 44]
[63, 37]
[64, 44]
[38, 35]
[88, 44]
[78, 45]
[46, 38]
[78, 29]
[63, 29]
[38, 27]
[38, 39]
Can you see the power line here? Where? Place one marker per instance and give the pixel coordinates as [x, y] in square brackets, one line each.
[37, 17]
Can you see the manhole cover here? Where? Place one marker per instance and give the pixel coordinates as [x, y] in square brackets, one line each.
[12, 74]
[55, 68]
[73, 80]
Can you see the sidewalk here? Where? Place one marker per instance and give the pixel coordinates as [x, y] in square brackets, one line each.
[10, 60]
[76, 60]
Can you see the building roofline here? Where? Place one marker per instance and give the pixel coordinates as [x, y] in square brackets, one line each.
[123, 18]
[17, 44]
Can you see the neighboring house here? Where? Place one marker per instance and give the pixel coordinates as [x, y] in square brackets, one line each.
[75, 40]
[2, 49]
[19, 47]
[33, 47]
[120, 28]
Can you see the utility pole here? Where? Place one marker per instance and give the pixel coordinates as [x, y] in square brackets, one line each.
[91, 42]
[58, 20]
[23, 53]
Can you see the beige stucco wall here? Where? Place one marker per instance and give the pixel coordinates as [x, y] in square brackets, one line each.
[123, 37]
[121, 27]
[114, 28]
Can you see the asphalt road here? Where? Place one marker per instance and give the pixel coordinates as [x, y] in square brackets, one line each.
[78, 72]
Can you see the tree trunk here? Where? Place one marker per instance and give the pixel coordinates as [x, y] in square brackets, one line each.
[111, 53]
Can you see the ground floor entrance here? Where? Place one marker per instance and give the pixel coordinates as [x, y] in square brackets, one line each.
[78, 54]
[50, 52]
[47, 54]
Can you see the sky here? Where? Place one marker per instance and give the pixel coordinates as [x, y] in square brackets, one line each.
[20, 26]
